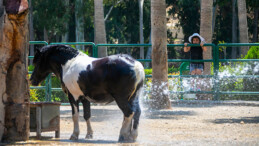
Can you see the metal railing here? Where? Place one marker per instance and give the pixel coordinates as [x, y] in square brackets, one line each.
[215, 60]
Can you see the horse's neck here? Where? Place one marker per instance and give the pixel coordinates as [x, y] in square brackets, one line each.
[57, 60]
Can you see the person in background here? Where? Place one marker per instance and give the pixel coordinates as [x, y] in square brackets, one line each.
[196, 53]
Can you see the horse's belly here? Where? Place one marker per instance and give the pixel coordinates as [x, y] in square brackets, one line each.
[100, 98]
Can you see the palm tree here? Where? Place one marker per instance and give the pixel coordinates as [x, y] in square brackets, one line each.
[99, 27]
[243, 29]
[160, 94]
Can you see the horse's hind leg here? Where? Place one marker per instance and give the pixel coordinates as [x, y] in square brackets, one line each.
[134, 132]
[131, 111]
[75, 116]
[87, 115]
[125, 132]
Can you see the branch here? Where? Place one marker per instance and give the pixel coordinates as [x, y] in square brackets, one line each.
[109, 12]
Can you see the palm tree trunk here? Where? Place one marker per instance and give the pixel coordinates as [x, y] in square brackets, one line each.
[206, 29]
[79, 24]
[99, 28]
[160, 94]
[234, 30]
[255, 25]
[206, 32]
[31, 31]
[2, 72]
[14, 91]
[243, 28]
[141, 37]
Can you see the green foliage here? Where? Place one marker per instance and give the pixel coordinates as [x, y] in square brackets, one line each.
[85, 52]
[33, 95]
[173, 69]
[51, 15]
[188, 13]
[170, 70]
[30, 68]
[222, 48]
[57, 95]
[223, 25]
[253, 53]
[122, 25]
[148, 71]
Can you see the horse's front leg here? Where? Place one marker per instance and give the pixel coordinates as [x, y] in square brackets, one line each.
[75, 116]
[87, 115]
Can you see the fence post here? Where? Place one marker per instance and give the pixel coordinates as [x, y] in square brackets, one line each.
[216, 70]
[184, 66]
[96, 51]
[49, 87]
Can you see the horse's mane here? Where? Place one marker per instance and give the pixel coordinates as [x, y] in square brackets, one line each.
[60, 50]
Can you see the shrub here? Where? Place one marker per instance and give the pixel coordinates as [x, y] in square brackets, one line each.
[253, 53]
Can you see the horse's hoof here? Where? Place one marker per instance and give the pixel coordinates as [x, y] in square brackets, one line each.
[123, 139]
[73, 137]
[89, 136]
[134, 134]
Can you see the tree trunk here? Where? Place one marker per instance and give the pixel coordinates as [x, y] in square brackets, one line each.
[79, 23]
[255, 25]
[2, 72]
[99, 28]
[243, 28]
[31, 32]
[234, 30]
[141, 36]
[14, 91]
[206, 32]
[160, 94]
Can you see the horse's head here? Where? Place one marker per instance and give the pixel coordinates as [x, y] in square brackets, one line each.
[41, 69]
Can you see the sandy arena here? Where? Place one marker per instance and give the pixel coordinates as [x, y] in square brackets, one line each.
[187, 123]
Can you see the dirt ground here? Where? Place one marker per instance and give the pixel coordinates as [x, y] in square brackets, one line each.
[187, 123]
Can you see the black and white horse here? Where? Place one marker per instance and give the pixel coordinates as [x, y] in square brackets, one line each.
[87, 79]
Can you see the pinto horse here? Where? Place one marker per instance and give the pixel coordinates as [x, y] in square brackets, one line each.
[85, 79]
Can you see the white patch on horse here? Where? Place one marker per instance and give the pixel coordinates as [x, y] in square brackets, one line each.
[139, 70]
[76, 131]
[71, 72]
[140, 74]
